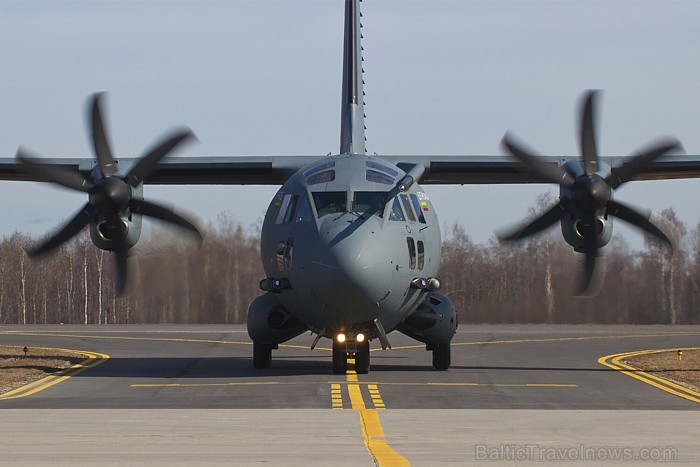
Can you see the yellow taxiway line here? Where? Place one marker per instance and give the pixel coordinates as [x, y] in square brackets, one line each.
[152, 339]
[372, 431]
[92, 359]
[615, 362]
[553, 339]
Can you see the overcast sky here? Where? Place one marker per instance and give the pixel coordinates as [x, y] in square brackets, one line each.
[264, 77]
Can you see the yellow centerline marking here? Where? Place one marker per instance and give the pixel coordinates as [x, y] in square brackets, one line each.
[92, 359]
[376, 444]
[372, 431]
[615, 362]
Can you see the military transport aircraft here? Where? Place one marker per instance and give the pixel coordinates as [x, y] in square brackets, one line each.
[351, 243]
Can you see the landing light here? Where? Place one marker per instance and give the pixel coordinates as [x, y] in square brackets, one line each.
[340, 338]
[360, 337]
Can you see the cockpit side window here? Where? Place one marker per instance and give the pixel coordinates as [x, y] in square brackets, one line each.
[396, 213]
[287, 208]
[304, 212]
[330, 202]
[370, 202]
[407, 207]
[419, 210]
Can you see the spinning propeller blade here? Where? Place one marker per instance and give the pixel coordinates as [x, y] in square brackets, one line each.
[588, 194]
[111, 195]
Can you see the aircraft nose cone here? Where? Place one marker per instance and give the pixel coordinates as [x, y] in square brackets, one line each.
[358, 273]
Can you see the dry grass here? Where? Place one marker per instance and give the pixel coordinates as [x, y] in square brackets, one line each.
[685, 372]
[18, 369]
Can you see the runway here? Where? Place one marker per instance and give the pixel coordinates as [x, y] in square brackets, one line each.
[184, 394]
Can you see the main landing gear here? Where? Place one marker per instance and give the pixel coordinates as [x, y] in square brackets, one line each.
[262, 355]
[441, 355]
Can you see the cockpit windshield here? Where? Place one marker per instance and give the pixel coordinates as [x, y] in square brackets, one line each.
[330, 202]
[370, 203]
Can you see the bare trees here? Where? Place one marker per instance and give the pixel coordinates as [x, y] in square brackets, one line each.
[173, 281]
[532, 282]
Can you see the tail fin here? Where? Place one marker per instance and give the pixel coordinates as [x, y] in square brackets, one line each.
[352, 117]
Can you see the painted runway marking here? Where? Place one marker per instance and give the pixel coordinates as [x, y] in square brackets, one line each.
[372, 431]
[615, 362]
[151, 339]
[336, 397]
[376, 397]
[553, 339]
[92, 360]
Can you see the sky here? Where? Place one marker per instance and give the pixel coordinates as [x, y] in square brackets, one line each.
[263, 78]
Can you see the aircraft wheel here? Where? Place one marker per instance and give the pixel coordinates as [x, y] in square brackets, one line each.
[262, 356]
[441, 356]
[340, 359]
[362, 358]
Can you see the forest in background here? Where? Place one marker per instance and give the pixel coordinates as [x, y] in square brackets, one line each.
[172, 280]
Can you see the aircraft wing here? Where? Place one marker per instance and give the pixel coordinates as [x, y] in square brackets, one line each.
[463, 170]
[275, 170]
[185, 170]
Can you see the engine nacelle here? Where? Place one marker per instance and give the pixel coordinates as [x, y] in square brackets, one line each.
[433, 322]
[269, 322]
[102, 237]
[571, 226]
[571, 230]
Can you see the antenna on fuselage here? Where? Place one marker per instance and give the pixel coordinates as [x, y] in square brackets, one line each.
[352, 116]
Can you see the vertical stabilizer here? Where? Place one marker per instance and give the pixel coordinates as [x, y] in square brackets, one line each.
[352, 117]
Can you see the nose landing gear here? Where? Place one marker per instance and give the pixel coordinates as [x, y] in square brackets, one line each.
[350, 346]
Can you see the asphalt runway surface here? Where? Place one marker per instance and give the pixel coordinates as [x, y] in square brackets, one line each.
[189, 395]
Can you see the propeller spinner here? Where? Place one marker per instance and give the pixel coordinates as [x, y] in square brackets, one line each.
[111, 195]
[587, 194]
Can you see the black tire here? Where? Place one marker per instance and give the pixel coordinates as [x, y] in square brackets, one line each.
[340, 359]
[362, 358]
[441, 356]
[262, 356]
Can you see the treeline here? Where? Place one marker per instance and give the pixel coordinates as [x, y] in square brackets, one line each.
[536, 281]
[172, 280]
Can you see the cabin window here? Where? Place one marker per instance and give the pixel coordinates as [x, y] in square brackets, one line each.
[396, 214]
[421, 255]
[411, 252]
[330, 202]
[417, 207]
[304, 212]
[378, 177]
[371, 203]
[323, 177]
[407, 207]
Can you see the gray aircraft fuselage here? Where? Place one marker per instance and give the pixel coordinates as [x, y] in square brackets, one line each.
[350, 244]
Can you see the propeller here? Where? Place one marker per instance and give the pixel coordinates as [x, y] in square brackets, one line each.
[588, 194]
[111, 194]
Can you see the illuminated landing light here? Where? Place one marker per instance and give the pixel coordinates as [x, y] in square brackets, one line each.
[340, 338]
[360, 337]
